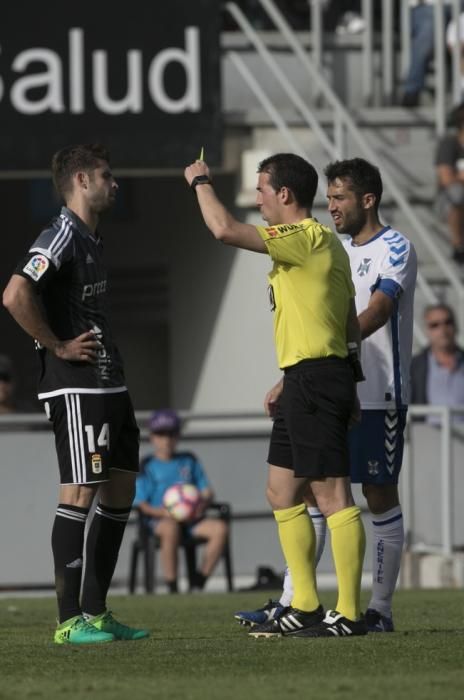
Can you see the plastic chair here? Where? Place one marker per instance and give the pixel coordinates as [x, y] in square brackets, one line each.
[146, 543]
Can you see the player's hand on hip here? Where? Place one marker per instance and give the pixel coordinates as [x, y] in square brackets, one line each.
[272, 397]
[84, 348]
[199, 167]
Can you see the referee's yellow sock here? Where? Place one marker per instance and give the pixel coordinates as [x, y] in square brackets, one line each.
[348, 547]
[298, 542]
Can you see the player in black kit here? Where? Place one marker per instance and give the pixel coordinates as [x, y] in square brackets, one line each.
[57, 295]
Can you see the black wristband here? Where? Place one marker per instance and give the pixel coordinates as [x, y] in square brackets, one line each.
[200, 180]
[357, 369]
[355, 363]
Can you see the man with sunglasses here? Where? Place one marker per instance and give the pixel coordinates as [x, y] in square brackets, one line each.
[437, 373]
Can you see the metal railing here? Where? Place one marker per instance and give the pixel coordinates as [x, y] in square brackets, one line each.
[392, 46]
[202, 428]
[392, 61]
[445, 414]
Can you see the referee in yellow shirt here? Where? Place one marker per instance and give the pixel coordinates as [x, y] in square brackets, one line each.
[315, 322]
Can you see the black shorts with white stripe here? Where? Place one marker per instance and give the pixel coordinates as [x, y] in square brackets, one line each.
[93, 434]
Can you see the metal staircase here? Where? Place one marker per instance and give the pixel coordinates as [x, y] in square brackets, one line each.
[334, 132]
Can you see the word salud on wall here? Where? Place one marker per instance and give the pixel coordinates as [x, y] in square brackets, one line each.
[51, 82]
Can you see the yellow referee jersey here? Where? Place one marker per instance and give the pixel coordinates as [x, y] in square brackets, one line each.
[310, 288]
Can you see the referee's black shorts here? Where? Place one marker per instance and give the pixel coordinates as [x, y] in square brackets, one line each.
[94, 433]
[310, 431]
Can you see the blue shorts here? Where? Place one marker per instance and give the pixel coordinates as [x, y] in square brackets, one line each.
[376, 447]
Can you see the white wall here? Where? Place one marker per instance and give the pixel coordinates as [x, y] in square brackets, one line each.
[222, 353]
[240, 363]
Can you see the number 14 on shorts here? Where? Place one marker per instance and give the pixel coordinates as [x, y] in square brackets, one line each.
[103, 439]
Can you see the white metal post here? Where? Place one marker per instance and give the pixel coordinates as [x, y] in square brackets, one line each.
[387, 51]
[339, 135]
[447, 483]
[407, 487]
[317, 35]
[440, 77]
[405, 37]
[367, 53]
[456, 54]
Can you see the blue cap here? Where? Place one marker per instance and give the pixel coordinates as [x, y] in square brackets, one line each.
[164, 421]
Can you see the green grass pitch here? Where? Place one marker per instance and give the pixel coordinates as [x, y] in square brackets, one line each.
[198, 651]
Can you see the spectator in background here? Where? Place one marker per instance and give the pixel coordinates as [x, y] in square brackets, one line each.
[7, 404]
[437, 373]
[164, 468]
[449, 161]
[422, 47]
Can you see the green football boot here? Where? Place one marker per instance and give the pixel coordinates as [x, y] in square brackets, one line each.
[77, 630]
[105, 622]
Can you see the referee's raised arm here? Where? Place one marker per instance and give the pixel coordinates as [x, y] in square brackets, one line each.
[218, 219]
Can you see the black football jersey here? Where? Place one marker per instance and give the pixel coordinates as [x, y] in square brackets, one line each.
[65, 266]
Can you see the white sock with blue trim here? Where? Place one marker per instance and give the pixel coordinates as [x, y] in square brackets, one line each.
[387, 548]
[320, 528]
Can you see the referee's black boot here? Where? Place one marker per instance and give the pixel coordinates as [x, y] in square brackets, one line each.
[288, 623]
[335, 625]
